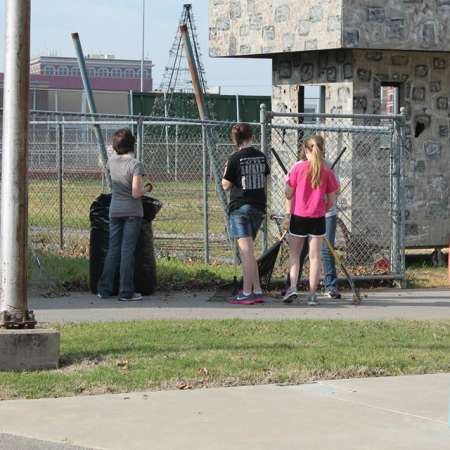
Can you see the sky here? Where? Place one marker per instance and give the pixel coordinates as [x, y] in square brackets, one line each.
[114, 27]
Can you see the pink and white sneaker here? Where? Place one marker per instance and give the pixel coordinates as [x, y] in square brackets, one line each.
[242, 299]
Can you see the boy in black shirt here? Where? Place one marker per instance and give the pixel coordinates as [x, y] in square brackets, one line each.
[245, 175]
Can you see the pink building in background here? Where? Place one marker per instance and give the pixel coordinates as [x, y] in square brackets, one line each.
[105, 73]
[56, 85]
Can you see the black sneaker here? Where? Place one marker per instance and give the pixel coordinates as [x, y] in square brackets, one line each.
[135, 297]
[333, 293]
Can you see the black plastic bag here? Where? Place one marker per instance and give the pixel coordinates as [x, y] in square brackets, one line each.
[145, 261]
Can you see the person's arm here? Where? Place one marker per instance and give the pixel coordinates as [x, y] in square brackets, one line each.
[227, 182]
[287, 214]
[330, 200]
[289, 191]
[137, 187]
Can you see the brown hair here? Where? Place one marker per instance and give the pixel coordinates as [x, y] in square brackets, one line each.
[240, 133]
[318, 157]
[123, 141]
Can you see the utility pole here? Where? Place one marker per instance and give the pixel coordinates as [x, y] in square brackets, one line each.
[143, 45]
[14, 217]
[21, 347]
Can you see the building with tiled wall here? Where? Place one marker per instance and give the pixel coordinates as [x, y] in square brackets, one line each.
[361, 51]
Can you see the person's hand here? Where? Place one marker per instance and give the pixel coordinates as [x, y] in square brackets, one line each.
[148, 186]
[285, 222]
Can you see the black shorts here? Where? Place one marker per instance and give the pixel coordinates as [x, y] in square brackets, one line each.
[307, 226]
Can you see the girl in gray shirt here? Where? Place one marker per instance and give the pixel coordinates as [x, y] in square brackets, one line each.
[125, 217]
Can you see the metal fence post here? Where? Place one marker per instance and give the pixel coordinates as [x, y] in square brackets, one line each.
[264, 149]
[60, 168]
[205, 197]
[176, 153]
[402, 194]
[396, 250]
[166, 128]
[140, 140]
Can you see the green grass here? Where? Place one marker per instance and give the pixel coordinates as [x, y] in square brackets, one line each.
[426, 276]
[72, 273]
[181, 213]
[132, 356]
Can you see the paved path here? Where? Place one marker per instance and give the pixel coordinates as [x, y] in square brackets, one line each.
[379, 305]
[397, 413]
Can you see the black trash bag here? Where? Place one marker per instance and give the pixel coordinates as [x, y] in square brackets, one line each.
[145, 261]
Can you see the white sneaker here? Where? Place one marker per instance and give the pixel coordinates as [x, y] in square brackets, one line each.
[291, 294]
[135, 297]
[312, 300]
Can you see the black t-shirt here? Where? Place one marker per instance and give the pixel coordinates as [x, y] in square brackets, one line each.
[247, 169]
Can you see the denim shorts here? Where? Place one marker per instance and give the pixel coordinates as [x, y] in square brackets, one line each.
[245, 221]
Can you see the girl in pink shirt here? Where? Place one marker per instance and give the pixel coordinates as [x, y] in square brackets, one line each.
[311, 186]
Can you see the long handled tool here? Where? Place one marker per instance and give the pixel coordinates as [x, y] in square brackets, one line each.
[356, 300]
[356, 295]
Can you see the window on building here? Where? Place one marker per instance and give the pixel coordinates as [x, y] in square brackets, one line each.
[49, 70]
[390, 99]
[103, 72]
[129, 73]
[63, 71]
[311, 99]
[116, 73]
[147, 74]
[75, 71]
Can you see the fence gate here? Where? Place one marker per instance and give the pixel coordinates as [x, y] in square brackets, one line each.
[370, 230]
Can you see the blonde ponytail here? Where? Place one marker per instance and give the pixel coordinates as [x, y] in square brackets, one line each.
[315, 163]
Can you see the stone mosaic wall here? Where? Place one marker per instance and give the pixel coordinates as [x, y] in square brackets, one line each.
[353, 80]
[397, 24]
[424, 80]
[254, 27]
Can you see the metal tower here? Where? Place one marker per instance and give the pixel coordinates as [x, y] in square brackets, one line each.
[177, 78]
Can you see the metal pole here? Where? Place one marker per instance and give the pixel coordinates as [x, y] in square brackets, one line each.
[201, 105]
[140, 143]
[402, 200]
[395, 207]
[166, 113]
[60, 185]
[143, 45]
[205, 197]
[91, 104]
[238, 112]
[176, 153]
[14, 195]
[130, 105]
[265, 150]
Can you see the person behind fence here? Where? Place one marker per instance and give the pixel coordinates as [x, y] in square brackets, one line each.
[311, 186]
[329, 264]
[245, 177]
[125, 214]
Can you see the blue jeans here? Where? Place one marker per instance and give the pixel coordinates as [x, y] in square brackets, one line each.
[329, 265]
[123, 237]
[245, 221]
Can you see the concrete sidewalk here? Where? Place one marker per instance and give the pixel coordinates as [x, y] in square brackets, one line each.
[394, 413]
[430, 304]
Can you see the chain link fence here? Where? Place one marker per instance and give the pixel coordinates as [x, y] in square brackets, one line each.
[185, 160]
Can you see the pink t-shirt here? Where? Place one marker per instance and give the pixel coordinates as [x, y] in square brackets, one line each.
[308, 201]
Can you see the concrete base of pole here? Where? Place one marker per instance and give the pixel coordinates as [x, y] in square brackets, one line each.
[29, 349]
